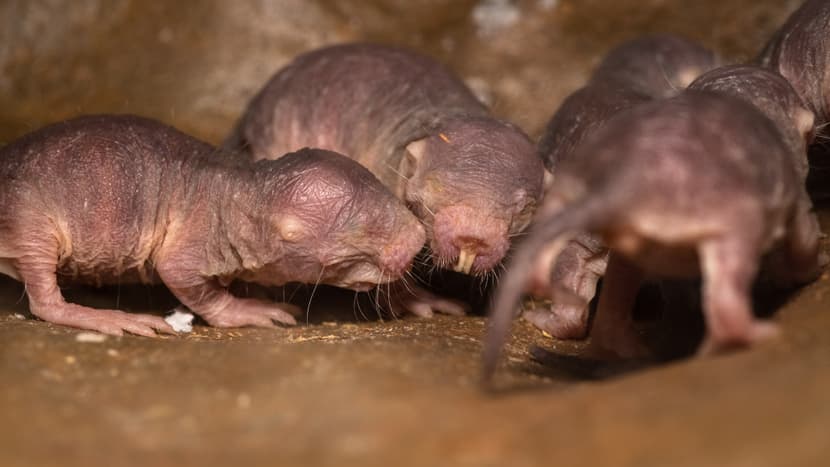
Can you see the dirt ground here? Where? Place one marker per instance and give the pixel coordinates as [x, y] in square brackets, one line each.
[349, 389]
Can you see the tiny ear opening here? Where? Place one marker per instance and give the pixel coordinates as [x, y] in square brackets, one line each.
[416, 149]
[414, 153]
[805, 122]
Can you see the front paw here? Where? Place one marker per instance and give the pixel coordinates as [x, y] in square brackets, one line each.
[243, 312]
[405, 298]
[560, 321]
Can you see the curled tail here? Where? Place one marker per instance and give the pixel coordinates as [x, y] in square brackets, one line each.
[560, 228]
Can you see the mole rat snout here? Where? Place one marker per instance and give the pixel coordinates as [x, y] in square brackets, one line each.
[397, 255]
[472, 238]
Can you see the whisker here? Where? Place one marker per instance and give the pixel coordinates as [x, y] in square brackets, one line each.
[387, 294]
[406, 285]
[415, 278]
[293, 292]
[491, 279]
[389, 299]
[397, 172]
[313, 290]
[421, 261]
[359, 308]
[22, 294]
[376, 301]
[118, 294]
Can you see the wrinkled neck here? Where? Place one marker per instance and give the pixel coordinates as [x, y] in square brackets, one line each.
[228, 207]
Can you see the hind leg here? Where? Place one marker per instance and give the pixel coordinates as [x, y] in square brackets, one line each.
[574, 278]
[729, 267]
[36, 268]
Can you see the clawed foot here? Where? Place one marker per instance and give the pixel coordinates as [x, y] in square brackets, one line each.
[758, 331]
[400, 299]
[560, 321]
[251, 312]
[112, 322]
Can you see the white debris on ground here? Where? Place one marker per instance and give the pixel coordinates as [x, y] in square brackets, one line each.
[491, 16]
[180, 321]
[90, 337]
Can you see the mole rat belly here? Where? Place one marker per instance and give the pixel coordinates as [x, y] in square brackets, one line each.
[112, 271]
[658, 258]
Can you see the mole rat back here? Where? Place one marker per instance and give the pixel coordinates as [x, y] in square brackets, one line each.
[361, 100]
[472, 179]
[94, 194]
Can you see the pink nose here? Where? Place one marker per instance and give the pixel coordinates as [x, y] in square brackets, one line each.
[475, 236]
[397, 256]
[471, 243]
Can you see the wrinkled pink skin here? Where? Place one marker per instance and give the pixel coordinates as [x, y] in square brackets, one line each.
[116, 199]
[774, 96]
[472, 180]
[577, 269]
[581, 264]
[698, 185]
[476, 185]
[800, 52]
[634, 72]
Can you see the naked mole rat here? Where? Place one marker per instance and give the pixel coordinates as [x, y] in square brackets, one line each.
[647, 67]
[578, 267]
[108, 199]
[800, 51]
[473, 180]
[636, 71]
[702, 183]
[655, 65]
[583, 261]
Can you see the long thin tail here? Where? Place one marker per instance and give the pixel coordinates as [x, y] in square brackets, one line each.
[560, 228]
